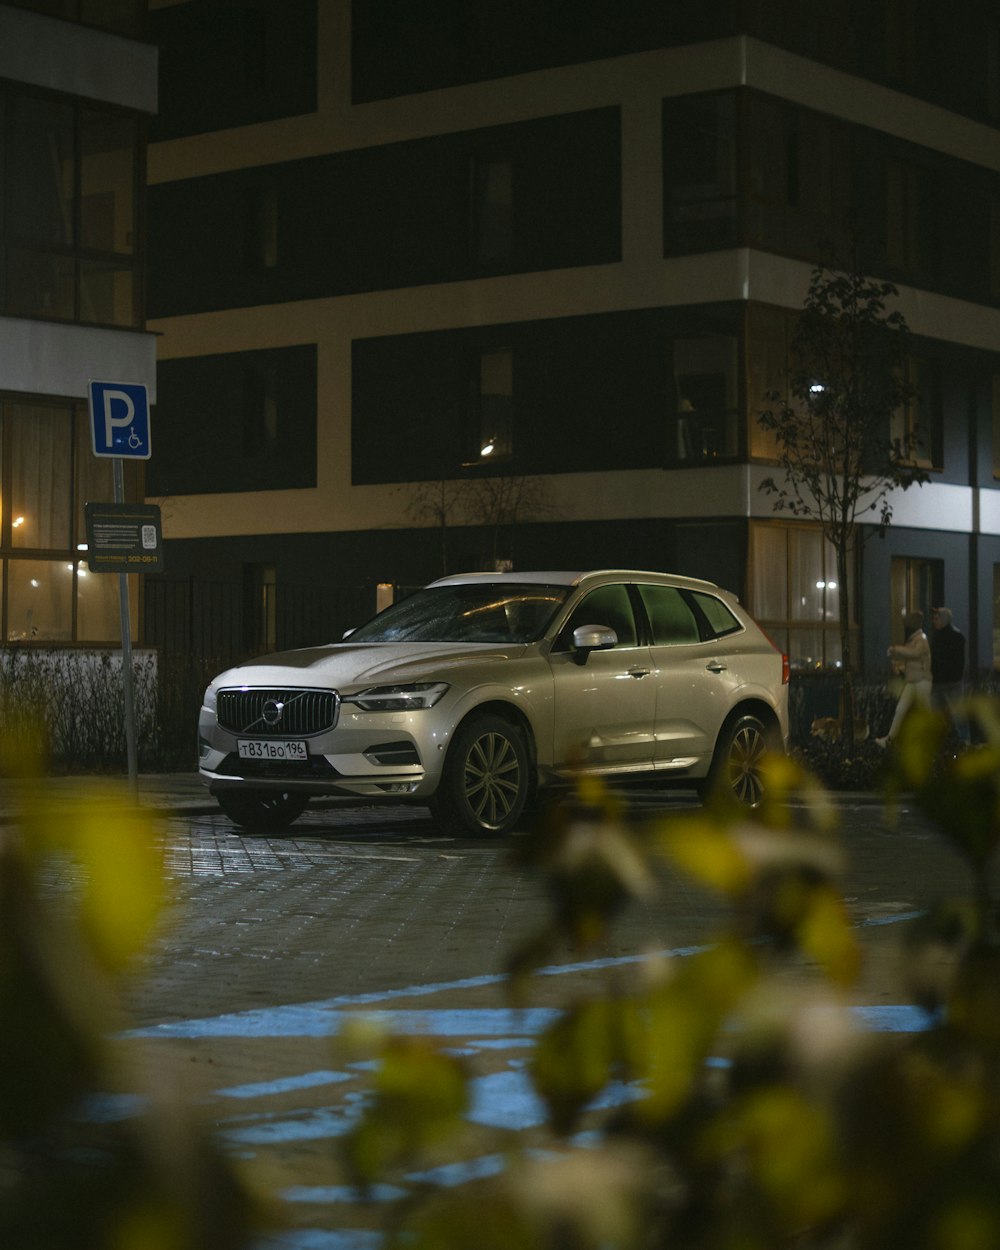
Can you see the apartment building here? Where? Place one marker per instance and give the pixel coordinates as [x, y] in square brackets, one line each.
[409, 262]
[77, 86]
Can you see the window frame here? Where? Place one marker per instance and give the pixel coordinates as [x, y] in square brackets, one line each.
[785, 629]
[70, 261]
[71, 554]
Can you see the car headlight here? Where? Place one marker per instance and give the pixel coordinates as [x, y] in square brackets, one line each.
[410, 698]
[209, 700]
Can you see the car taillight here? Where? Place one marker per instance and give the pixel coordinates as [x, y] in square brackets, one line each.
[786, 668]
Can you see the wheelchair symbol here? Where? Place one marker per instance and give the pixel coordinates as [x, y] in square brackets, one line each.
[133, 439]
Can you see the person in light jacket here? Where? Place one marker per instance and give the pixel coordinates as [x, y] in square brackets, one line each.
[915, 654]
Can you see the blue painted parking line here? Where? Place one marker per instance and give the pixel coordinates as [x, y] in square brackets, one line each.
[504, 1100]
[261, 1089]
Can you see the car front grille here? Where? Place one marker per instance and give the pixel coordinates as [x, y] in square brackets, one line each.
[269, 713]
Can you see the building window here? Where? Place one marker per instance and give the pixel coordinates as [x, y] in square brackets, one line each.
[996, 617]
[260, 613]
[799, 179]
[915, 585]
[769, 332]
[794, 592]
[996, 424]
[40, 461]
[707, 397]
[903, 59]
[262, 427]
[492, 217]
[47, 473]
[774, 172]
[699, 166]
[69, 211]
[494, 406]
[993, 70]
[260, 411]
[916, 424]
[995, 245]
[261, 229]
[911, 220]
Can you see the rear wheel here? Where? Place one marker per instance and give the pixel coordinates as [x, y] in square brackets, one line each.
[262, 809]
[486, 778]
[736, 769]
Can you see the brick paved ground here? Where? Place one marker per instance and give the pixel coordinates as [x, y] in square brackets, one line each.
[272, 943]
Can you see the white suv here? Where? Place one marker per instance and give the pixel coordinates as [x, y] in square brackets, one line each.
[477, 690]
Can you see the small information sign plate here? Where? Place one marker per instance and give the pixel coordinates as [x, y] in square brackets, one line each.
[124, 538]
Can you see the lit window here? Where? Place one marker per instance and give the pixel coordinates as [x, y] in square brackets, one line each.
[795, 592]
[495, 406]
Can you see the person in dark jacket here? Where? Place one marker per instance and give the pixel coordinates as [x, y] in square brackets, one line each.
[948, 669]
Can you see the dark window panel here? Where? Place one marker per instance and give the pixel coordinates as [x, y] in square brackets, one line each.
[700, 147]
[42, 171]
[40, 284]
[537, 195]
[233, 64]
[587, 393]
[243, 421]
[398, 47]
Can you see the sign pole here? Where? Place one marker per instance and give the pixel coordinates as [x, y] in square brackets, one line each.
[127, 674]
[119, 427]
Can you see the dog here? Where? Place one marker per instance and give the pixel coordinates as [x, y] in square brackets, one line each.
[831, 728]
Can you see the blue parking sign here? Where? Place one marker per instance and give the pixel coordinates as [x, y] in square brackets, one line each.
[119, 419]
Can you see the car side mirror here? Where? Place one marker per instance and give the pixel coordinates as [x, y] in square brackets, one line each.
[587, 638]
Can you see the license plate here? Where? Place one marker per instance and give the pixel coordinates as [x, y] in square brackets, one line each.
[269, 749]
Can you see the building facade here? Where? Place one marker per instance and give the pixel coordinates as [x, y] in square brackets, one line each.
[448, 283]
[77, 86]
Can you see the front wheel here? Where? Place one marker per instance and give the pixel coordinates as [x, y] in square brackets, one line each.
[736, 771]
[262, 810]
[486, 779]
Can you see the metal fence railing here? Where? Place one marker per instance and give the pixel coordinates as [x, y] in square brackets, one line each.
[226, 621]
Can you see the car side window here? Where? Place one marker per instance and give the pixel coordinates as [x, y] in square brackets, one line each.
[671, 619]
[720, 620]
[607, 605]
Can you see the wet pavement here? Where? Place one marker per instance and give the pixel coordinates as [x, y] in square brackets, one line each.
[273, 945]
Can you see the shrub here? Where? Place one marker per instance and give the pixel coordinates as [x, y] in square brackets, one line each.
[72, 703]
[761, 1117]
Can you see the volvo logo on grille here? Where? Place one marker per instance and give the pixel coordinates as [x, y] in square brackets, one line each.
[272, 711]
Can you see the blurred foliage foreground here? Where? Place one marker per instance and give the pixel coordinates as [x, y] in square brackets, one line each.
[760, 1115]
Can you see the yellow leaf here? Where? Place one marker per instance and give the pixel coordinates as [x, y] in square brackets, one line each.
[826, 935]
[707, 852]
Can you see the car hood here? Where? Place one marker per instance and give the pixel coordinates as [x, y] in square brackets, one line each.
[342, 665]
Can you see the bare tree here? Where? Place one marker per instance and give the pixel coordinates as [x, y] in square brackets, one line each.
[500, 504]
[842, 439]
[496, 504]
[439, 503]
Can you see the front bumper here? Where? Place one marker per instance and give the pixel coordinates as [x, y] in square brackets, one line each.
[368, 755]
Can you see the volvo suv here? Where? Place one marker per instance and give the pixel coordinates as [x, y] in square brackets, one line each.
[478, 691]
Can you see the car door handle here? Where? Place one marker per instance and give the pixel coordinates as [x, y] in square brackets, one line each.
[639, 672]
[716, 666]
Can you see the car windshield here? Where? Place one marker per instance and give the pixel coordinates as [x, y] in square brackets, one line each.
[471, 612]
